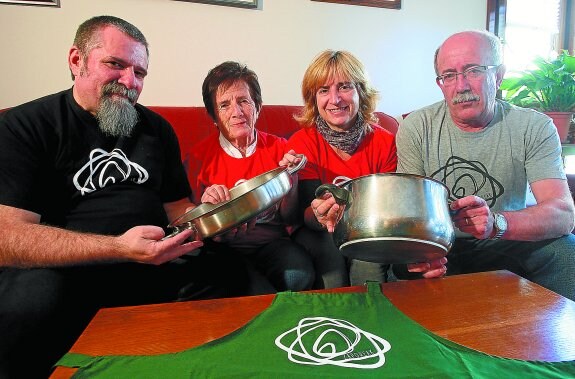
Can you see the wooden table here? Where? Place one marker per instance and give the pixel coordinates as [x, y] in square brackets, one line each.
[495, 312]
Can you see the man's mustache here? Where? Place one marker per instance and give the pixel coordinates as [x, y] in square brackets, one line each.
[465, 97]
[115, 88]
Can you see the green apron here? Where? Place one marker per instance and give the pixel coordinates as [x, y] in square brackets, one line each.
[314, 335]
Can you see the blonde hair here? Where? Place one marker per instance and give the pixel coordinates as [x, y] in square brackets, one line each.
[326, 66]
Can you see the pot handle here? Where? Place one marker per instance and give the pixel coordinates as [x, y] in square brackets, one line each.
[341, 181]
[342, 196]
[293, 169]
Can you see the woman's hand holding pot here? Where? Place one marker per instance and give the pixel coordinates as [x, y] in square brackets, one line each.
[327, 211]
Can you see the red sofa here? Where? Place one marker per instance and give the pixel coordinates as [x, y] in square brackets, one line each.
[193, 123]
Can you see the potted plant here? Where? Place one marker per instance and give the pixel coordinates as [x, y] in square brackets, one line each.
[549, 88]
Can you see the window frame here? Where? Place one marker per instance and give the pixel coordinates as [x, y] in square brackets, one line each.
[391, 4]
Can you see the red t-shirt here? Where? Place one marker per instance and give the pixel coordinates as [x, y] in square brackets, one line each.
[375, 154]
[209, 164]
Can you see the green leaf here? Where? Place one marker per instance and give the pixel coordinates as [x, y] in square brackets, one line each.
[549, 87]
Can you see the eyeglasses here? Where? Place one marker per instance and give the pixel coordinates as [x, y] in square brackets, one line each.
[471, 73]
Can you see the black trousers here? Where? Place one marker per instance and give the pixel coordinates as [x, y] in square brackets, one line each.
[43, 311]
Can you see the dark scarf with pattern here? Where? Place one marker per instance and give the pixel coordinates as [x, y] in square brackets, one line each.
[348, 140]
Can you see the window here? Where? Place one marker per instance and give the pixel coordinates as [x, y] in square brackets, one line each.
[531, 27]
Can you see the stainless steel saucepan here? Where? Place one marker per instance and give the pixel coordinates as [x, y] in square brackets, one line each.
[248, 200]
[392, 218]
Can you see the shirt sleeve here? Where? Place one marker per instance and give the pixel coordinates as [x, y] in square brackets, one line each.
[22, 155]
[409, 143]
[300, 143]
[543, 152]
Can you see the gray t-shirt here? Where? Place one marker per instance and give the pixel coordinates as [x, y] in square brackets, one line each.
[518, 147]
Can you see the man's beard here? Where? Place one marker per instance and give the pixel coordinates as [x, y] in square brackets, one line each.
[117, 117]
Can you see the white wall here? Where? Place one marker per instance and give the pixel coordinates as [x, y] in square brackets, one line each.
[277, 41]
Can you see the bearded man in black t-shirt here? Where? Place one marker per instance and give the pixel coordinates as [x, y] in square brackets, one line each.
[88, 178]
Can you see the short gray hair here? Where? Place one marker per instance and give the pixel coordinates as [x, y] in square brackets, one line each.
[85, 39]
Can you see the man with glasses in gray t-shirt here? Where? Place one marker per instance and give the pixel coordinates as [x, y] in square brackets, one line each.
[488, 152]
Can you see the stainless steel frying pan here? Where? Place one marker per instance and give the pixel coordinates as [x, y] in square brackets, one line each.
[248, 200]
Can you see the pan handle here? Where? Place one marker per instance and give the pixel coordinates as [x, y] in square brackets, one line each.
[293, 169]
[342, 196]
[175, 230]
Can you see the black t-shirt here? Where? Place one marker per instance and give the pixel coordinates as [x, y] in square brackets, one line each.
[55, 161]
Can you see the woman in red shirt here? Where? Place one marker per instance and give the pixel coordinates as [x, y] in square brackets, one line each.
[236, 152]
[340, 138]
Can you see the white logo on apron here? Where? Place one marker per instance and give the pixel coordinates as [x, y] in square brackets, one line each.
[327, 341]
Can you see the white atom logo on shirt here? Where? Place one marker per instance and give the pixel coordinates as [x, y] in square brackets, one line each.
[327, 341]
[103, 169]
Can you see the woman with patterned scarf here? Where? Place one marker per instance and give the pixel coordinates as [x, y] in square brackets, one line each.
[340, 138]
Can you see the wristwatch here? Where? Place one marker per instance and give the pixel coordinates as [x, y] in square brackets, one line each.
[499, 225]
